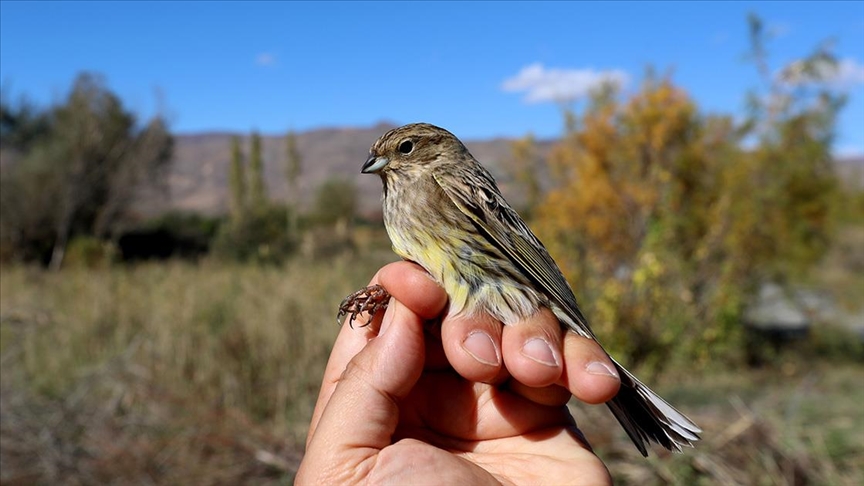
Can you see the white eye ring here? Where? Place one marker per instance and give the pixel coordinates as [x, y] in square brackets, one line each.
[406, 147]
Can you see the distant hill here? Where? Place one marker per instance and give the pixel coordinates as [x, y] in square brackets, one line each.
[198, 177]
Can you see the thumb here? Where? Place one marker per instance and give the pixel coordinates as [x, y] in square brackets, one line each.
[362, 414]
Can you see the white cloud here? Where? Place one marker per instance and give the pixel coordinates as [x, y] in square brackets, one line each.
[559, 85]
[849, 72]
[845, 73]
[265, 59]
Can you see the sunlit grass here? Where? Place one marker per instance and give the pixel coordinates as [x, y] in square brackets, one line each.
[794, 425]
[207, 373]
[174, 342]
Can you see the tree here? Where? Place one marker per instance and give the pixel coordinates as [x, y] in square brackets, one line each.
[237, 181]
[257, 231]
[84, 172]
[336, 202]
[257, 186]
[21, 125]
[632, 175]
[792, 120]
[293, 170]
[666, 224]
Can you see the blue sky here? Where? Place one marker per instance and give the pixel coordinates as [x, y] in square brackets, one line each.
[276, 66]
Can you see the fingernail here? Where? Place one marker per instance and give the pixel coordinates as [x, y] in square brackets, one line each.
[601, 368]
[480, 346]
[539, 350]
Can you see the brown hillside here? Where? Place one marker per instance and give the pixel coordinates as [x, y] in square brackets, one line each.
[198, 177]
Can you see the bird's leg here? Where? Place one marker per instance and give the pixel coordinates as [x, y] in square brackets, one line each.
[370, 300]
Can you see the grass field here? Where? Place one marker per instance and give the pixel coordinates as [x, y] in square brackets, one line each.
[179, 373]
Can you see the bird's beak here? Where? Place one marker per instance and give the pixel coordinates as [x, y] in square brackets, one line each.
[374, 164]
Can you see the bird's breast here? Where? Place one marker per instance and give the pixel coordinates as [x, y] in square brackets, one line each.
[425, 227]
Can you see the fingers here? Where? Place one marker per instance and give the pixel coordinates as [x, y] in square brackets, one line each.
[446, 410]
[411, 285]
[536, 352]
[589, 372]
[362, 412]
[552, 395]
[405, 281]
[408, 283]
[473, 347]
[547, 364]
[349, 342]
[532, 349]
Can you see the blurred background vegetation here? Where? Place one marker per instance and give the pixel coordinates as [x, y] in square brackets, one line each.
[185, 347]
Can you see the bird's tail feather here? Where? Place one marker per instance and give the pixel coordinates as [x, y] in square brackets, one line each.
[646, 417]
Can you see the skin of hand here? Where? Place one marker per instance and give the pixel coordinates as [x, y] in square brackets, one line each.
[468, 401]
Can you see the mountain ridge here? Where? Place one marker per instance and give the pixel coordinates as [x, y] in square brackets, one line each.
[197, 178]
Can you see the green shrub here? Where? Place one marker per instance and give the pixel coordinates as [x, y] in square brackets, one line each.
[90, 252]
[836, 343]
[261, 236]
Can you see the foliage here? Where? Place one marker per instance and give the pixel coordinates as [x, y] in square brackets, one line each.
[172, 235]
[191, 226]
[830, 342]
[335, 202]
[792, 122]
[186, 226]
[79, 176]
[257, 229]
[257, 187]
[666, 225]
[293, 159]
[237, 181]
[29, 192]
[89, 252]
[260, 236]
[293, 170]
[21, 125]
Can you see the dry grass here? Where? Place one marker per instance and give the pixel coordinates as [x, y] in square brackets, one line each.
[164, 373]
[207, 374]
[796, 425]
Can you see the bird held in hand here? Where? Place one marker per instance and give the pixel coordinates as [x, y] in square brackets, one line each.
[443, 211]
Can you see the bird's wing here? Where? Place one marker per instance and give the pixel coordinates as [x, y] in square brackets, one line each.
[643, 414]
[477, 196]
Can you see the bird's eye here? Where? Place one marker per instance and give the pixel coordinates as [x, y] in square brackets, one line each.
[406, 147]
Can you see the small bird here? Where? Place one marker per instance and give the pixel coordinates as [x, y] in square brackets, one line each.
[443, 211]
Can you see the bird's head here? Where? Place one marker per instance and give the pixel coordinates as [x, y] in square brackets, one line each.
[411, 147]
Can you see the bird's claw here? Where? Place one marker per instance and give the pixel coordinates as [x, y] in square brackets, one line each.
[369, 300]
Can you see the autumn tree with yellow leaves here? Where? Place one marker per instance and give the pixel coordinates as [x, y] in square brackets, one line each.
[666, 219]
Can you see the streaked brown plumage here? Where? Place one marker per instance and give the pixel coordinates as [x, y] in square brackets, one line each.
[443, 210]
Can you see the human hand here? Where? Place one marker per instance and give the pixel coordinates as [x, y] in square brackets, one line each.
[473, 405]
